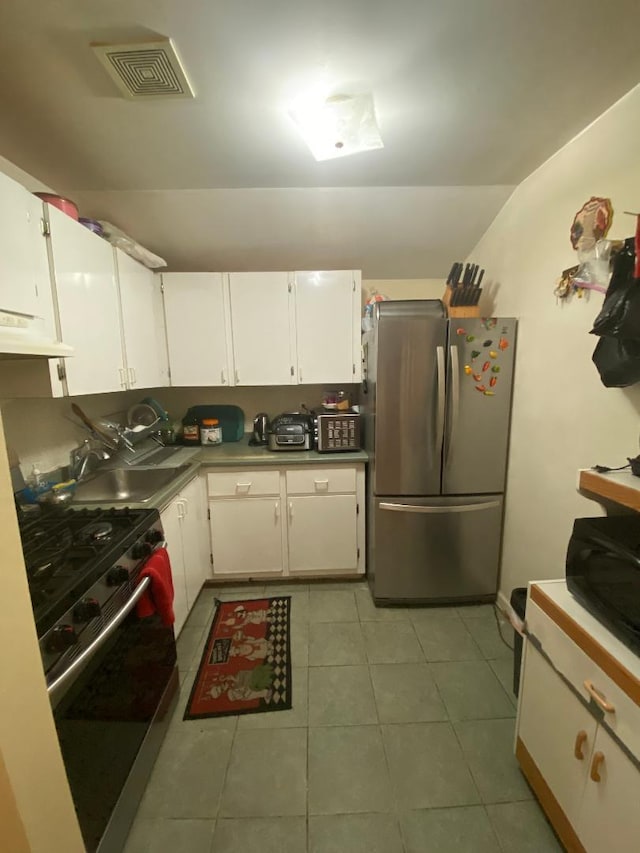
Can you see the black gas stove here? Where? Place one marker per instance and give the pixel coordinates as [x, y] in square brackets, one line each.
[66, 551]
[111, 675]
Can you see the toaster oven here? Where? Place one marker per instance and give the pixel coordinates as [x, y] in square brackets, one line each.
[337, 431]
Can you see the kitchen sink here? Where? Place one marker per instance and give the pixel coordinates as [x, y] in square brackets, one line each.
[119, 485]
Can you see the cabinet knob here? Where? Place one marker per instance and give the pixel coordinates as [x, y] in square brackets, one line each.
[581, 739]
[596, 764]
[598, 697]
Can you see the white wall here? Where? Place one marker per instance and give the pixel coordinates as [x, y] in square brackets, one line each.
[563, 417]
[405, 288]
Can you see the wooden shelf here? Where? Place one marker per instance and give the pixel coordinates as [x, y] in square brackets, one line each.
[621, 487]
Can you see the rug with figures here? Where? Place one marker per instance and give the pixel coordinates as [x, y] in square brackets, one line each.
[246, 663]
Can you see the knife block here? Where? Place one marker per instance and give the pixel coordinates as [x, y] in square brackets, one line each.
[459, 310]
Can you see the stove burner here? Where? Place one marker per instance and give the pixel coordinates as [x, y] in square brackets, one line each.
[98, 532]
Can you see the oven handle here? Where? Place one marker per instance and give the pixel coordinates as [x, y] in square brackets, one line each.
[102, 637]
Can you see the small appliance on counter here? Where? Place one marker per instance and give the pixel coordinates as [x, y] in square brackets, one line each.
[259, 437]
[603, 573]
[290, 431]
[336, 431]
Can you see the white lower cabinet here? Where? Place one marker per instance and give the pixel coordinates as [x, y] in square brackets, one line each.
[322, 533]
[609, 818]
[556, 729]
[246, 536]
[171, 518]
[587, 780]
[185, 530]
[302, 520]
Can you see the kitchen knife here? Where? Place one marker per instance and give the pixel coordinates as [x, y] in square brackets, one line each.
[451, 272]
[479, 281]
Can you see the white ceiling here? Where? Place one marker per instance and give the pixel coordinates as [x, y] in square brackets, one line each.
[470, 93]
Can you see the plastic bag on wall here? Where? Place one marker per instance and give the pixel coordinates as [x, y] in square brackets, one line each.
[617, 362]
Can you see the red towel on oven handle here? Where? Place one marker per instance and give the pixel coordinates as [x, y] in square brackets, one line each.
[158, 597]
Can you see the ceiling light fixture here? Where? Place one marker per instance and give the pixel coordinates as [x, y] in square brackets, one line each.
[338, 126]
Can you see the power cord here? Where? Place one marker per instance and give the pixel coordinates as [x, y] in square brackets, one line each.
[499, 627]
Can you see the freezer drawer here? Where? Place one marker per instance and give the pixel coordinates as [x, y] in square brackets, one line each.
[436, 549]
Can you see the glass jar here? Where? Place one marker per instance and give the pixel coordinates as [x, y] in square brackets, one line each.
[210, 432]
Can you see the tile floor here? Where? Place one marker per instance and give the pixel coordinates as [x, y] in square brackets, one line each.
[399, 741]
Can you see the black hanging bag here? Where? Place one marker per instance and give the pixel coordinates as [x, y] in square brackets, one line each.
[619, 316]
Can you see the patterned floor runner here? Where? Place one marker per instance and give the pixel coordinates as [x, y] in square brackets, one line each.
[246, 663]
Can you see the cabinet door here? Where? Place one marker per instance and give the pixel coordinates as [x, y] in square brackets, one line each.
[88, 306]
[325, 327]
[195, 539]
[171, 524]
[551, 719]
[142, 333]
[197, 328]
[23, 251]
[322, 533]
[246, 536]
[262, 321]
[610, 817]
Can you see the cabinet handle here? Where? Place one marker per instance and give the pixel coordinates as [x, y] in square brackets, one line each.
[185, 505]
[123, 377]
[237, 377]
[135, 378]
[581, 739]
[222, 377]
[300, 374]
[180, 508]
[596, 764]
[598, 697]
[276, 510]
[321, 485]
[290, 510]
[243, 487]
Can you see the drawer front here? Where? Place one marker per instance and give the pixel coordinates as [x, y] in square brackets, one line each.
[225, 484]
[579, 668]
[319, 481]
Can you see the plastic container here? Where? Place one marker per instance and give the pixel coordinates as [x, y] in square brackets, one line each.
[210, 432]
[190, 430]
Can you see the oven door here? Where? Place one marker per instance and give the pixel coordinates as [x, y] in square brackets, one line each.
[111, 710]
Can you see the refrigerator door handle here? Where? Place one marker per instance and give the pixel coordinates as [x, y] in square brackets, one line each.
[440, 509]
[455, 400]
[441, 401]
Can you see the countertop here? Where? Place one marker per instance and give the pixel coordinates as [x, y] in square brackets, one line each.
[229, 455]
[622, 487]
[242, 453]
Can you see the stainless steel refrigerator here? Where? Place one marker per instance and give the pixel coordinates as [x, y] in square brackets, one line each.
[437, 406]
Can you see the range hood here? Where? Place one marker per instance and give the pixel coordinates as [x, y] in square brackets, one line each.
[23, 336]
[11, 347]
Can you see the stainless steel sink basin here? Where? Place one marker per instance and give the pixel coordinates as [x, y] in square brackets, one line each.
[120, 485]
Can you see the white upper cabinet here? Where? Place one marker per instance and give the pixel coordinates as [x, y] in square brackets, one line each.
[143, 329]
[263, 317]
[328, 326]
[25, 287]
[87, 296]
[198, 328]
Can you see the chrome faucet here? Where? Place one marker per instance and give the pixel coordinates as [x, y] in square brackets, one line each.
[80, 457]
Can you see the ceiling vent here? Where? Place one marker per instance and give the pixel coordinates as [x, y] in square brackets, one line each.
[149, 70]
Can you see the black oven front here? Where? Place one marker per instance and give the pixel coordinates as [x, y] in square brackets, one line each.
[603, 572]
[111, 707]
